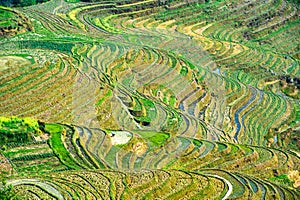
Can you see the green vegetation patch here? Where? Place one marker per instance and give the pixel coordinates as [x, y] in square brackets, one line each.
[15, 152]
[13, 129]
[282, 179]
[21, 3]
[149, 108]
[13, 22]
[108, 94]
[7, 192]
[65, 47]
[57, 145]
[105, 25]
[53, 128]
[184, 71]
[155, 139]
[7, 18]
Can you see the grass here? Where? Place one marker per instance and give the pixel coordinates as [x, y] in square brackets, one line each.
[149, 107]
[184, 71]
[46, 165]
[73, 14]
[8, 23]
[155, 139]
[111, 155]
[108, 94]
[221, 147]
[5, 14]
[282, 179]
[8, 19]
[172, 101]
[105, 25]
[58, 147]
[13, 153]
[25, 56]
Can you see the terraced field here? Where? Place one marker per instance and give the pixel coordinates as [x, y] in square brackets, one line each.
[149, 99]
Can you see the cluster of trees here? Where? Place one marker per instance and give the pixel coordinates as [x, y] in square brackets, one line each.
[20, 3]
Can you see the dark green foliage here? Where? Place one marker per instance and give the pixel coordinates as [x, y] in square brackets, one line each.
[8, 19]
[18, 144]
[7, 3]
[20, 3]
[7, 192]
[31, 44]
[4, 15]
[297, 2]
[282, 179]
[63, 47]
[184, 71]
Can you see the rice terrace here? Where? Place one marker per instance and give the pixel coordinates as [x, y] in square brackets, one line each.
[150, 99]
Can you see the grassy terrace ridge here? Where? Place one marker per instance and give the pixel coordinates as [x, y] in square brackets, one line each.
[149, 99]
[13, 22]
[55, 141]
